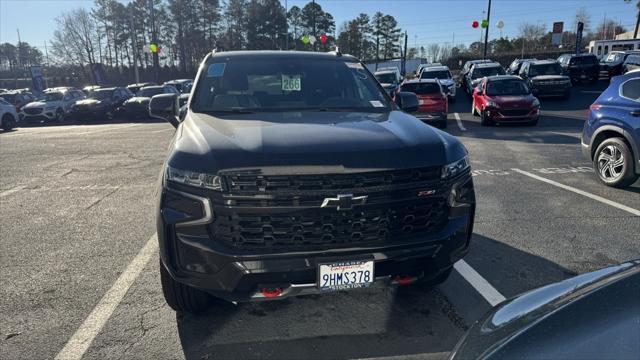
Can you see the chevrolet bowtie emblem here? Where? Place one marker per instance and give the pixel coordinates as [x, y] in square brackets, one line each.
[344, 201]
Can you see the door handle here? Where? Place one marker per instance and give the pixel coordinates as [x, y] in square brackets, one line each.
[635, 112]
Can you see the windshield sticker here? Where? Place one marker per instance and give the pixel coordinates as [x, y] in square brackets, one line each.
[216, 70]
[291, 82]
[376, 103]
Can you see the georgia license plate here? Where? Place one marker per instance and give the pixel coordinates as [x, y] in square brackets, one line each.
[421, 102]
[345, 275]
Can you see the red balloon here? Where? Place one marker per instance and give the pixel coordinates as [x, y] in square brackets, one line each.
[475, 24]
[323, 38]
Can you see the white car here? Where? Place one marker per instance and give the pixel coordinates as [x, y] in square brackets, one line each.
[53, 106]
[8, 115]
[443, 74]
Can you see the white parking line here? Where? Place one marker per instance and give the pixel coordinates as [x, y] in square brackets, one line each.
[83, 337]
[581, 192]
[457, 116]
[11, 191]
[479, 283]
[107, 129]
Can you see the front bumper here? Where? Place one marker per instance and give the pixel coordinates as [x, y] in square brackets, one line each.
[551, 90]
[512, 115]
[43, 116]
[195, 258]
[431, 116]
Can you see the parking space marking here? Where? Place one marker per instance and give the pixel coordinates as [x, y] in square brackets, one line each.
[107, 129]
[12, 190]
[581, 192]
[479, 283]
[86, 333]
[457, 116]
[163, 130]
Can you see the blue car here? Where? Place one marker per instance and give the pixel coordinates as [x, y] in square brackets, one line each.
[611, 134]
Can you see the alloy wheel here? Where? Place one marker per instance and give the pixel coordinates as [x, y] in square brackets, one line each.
[611, 163]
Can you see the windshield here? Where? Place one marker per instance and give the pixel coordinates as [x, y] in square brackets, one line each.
[422, 88]
[285, 84]
[614, 57]
[545, 69]
[149, 92]
[53, 96]
[507, 87]
[386, 78]
[439, 74]
[583, 60]
[100, 94]
[486, 71]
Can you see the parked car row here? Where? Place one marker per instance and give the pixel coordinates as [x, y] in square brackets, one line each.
[92, 102]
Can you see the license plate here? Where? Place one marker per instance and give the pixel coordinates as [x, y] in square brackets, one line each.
[421, 102]
[345, 275]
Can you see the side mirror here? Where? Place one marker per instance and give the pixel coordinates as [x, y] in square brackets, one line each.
[165, 107]
[407, 101]
[183, 99]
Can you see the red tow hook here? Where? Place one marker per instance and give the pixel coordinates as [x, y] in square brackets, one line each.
[404, 279]
[271, 292]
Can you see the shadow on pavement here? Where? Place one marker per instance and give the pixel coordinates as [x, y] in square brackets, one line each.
[364, 323]
[97, 121]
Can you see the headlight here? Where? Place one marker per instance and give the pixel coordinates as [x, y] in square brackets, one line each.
[455, 168]
[193, 178]
[536, 103]
[492, 104]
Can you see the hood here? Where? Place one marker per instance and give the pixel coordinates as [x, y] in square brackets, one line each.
[89, 102]
[509, 101]
[42, 104]
[549, 77]
[140, 99]
[311, 142]
[585, 314]
[446, 82]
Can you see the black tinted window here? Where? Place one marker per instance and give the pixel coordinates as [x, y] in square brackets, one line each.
[507, 87]
[545, 69]
[439, 74]
[286, 84]
[631, 89]
[487, 71]
[422, 88]
[584, 60]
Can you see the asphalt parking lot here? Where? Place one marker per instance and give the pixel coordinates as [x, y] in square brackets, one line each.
[80, 268]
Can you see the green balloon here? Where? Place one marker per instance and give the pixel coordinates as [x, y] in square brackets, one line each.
[485, 24]
[305, 39]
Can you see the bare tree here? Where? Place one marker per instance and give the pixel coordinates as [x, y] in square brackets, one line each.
[73, 41]
[531, 33]
[582, 16]
[433, 52]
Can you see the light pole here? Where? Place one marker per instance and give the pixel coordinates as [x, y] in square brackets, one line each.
[486, 33]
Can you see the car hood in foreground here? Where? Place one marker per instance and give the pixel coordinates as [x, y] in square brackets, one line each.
[310, 142]
[593, 315]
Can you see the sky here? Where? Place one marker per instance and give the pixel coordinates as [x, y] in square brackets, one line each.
[426, 21]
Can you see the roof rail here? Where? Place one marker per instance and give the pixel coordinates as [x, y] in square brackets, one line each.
[335, 51]
[213, 52]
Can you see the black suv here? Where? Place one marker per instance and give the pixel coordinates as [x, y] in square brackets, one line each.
[546, 78]
[582, 67]
[101, 103]
[294, 173]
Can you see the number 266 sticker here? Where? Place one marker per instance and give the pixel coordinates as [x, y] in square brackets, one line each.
[290, 82]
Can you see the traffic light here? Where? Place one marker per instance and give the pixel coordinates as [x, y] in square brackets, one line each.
[475, 24]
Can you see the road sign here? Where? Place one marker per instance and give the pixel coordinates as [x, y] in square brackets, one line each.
[557, 27]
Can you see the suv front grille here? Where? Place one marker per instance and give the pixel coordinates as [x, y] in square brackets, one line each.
[515, 112]
[33, 111]
[326, 227]
[249, 183]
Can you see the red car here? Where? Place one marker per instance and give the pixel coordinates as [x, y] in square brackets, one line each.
[433, 105]
[504, 99]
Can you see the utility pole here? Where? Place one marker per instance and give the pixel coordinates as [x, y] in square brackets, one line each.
[314, 25]
[134, 48]
[154, 39]
[286, 26]
[46, 54]
[404, 58]
[635, 33]
[486, 34]
[19, 60]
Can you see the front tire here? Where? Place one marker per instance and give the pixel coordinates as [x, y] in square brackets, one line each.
[59, 115]
[8, 122]
[484, 120]
[181, 297]
[613, 163]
